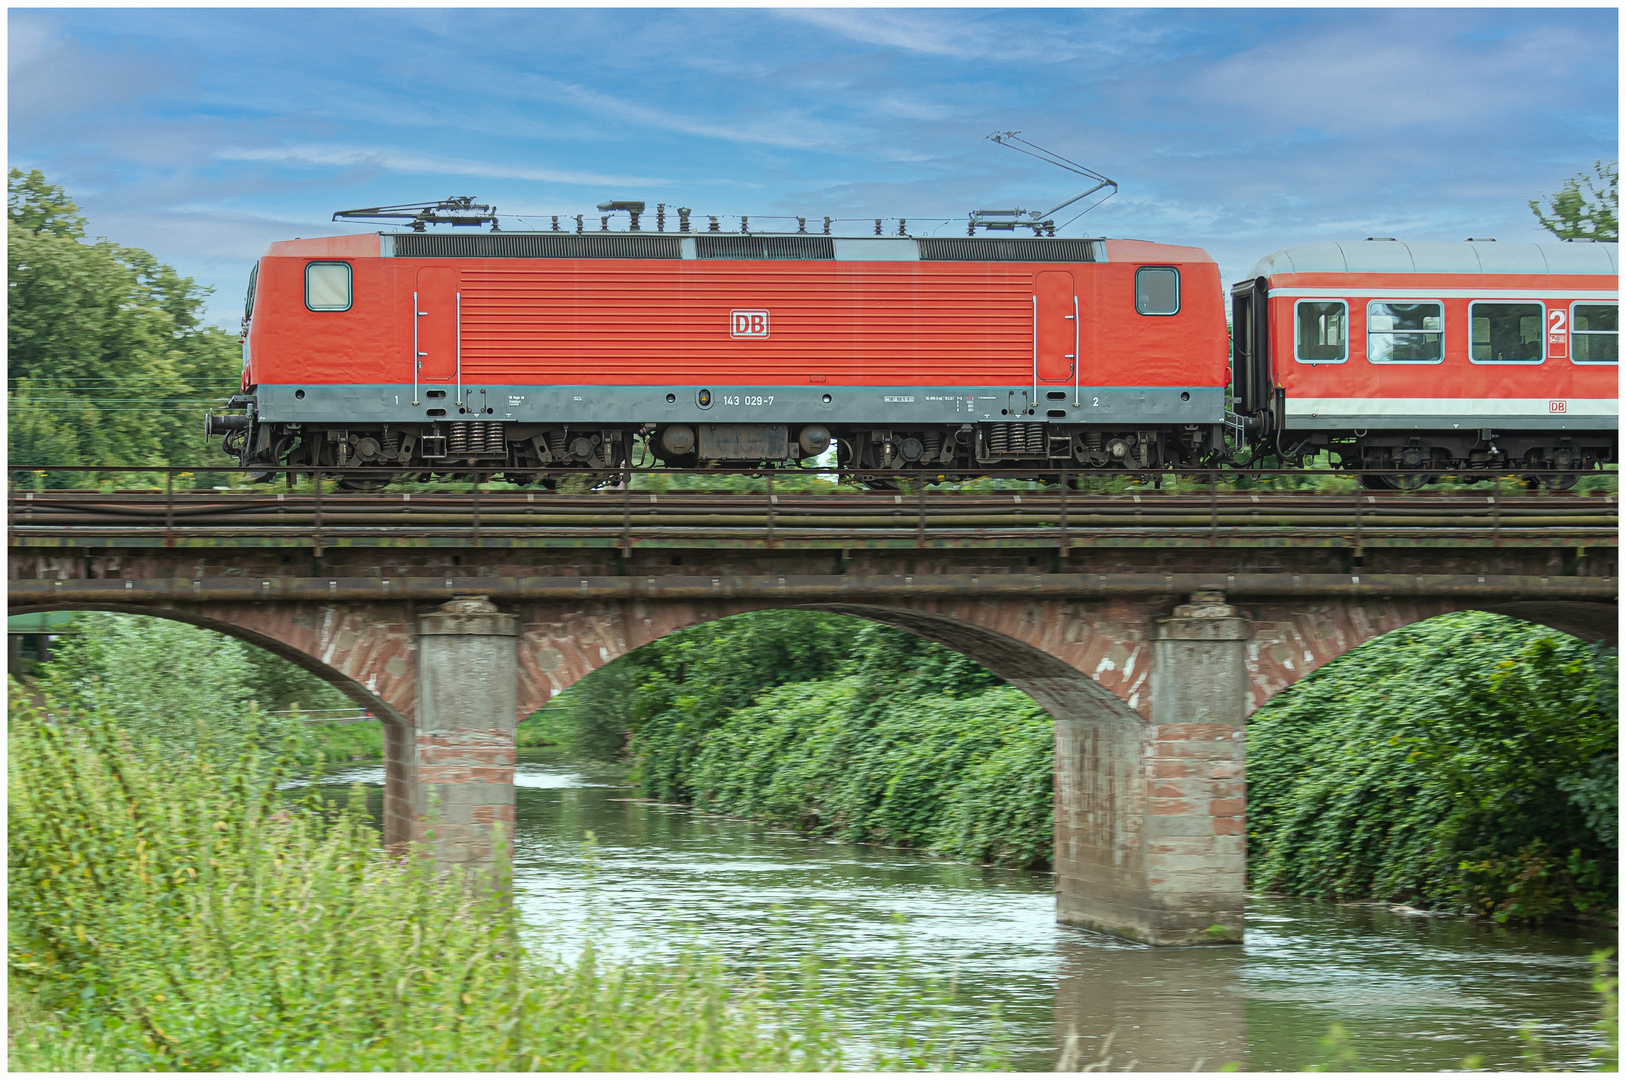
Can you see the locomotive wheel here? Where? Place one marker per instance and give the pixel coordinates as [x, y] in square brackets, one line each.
[366, 483]
[1406, 481]
[1554, 481]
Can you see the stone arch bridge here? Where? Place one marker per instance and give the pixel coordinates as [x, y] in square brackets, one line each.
[1150, 656]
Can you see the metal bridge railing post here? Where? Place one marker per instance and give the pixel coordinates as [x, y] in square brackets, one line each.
[770, 508]
[626, 510]
[1496, 512]
[920, 515]
[475, 536]
[1360, 540]
[169, 507]
[1213, 507]
[316, 529]
[1064, 486]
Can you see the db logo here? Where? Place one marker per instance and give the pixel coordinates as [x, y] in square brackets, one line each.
[747, 324]
[1558, 406]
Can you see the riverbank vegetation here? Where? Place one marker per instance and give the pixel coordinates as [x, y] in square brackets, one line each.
[829, 725]
[173, 909]
[1466, 763]
[178, 683]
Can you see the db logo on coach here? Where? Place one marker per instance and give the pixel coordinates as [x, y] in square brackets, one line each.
[1558, 406]
[747, 324]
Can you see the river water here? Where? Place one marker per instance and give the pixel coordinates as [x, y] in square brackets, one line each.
[1412, 992]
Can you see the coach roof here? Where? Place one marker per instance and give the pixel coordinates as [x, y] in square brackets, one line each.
[1399, 257]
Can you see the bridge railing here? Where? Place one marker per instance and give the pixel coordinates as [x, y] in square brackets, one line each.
[626, 507]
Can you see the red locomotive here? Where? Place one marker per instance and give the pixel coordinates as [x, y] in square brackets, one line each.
[551, 350]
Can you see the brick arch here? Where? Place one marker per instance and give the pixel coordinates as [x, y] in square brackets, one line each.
[1074, 658]
[368, 652]
[365, 653]
[1289, 641]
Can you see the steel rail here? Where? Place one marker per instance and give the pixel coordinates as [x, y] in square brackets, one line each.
[27, 594]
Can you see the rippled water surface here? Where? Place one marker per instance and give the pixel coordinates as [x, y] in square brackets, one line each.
[1414, 993]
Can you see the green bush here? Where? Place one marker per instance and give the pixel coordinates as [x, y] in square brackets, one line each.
[167, 914]
[186, 686]
[830, 725]
[1467, 761]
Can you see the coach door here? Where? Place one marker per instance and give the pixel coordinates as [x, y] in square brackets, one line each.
[1055, 327]
[435, 324]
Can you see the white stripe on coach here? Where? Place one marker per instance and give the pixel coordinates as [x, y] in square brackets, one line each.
[1449, 407]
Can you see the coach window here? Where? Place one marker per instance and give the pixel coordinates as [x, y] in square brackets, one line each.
[1157, 290]
[1595, 333]
[1321, 338]
[1404, 332]
[1507, 333]
[327, 286]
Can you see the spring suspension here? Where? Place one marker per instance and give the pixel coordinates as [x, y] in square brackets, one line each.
[495, 444]
[457, 439]
[931, 443]
[389, 448]
[999, 438]
[1035, 439]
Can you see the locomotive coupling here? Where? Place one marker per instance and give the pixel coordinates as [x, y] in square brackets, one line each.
[220, 425]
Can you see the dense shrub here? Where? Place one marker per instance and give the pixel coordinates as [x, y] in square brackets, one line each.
[1467, 761]
[185, 686]
[166, 914]
[831, 725]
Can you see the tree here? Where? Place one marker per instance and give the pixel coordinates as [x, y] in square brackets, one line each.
[41, 207]
[1592, 214]
[109, 362]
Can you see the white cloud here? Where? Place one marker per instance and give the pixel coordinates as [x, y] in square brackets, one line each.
[420, 164]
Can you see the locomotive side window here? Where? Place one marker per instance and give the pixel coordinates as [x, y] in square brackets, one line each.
[327, 286]
[1595, 333]
[1404, 332]
[1322, 337]
[1507, 333]
[1157, 290]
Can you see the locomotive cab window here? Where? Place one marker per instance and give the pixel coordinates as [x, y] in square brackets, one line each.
[1405, 332]
[1322, 336]
[1595, 333]
[1157, 290]
[327, 286]
[1507, 333]
[248, 301]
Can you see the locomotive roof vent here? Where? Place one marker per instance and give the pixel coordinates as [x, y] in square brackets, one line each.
[1480, 240]
[1388, 238]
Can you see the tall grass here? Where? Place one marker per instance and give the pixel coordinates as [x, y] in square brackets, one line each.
[166, 914]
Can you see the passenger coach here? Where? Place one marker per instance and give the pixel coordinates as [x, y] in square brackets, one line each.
[1433, 355]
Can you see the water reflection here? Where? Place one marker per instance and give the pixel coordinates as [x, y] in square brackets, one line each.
[1416, 993]
[1166, 1010]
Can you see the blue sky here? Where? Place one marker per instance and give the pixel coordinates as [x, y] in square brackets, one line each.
[204, 135]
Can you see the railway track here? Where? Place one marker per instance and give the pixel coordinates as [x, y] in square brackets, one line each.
[931, 518]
